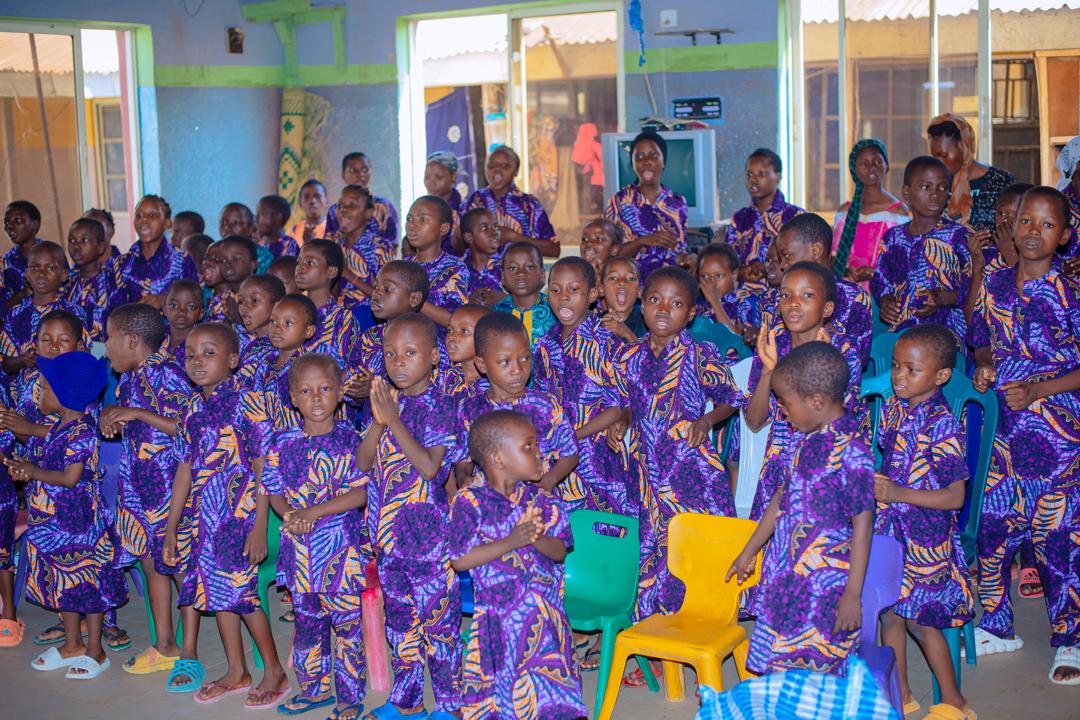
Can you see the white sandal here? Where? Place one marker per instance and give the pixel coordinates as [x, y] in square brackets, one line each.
[90, 668]
[989, 644]
[1067, 657]
[51, 659]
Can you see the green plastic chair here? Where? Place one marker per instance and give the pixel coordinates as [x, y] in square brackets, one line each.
[878, 327]
[958, 393]
[720, 336]
[601, 574]
[881, 350]
[267, 577]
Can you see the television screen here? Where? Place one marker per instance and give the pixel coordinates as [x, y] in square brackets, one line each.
[678, 168]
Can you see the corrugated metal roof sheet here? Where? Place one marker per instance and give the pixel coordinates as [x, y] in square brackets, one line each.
[449, 37]
[825, 11]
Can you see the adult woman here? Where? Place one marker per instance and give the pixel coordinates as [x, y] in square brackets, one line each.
[1069, 184]
[521, 216]
[975, 187]
[860, 224]
[652, 217]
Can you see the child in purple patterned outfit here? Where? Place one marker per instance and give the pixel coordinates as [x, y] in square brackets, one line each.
[271, 214]
[521, 216]
[920, 491]
[718, 270]
[255, 303]
[405, 450]
[220, 444]
[513, 536]
[483, 260]
[152, 394]
[146, 270]
[601, 240]
[22, 222]
[356, 236]
[183, 310]
[318, 267]
[504, 357]
[284, 269]
[523, 279]
[381, 224]
[620, 289]
[821, 520]
[316, 486]
[237, 258]
[236, 219]
[88, 283]
[70, 555]
[292, 324]
[462, 378]
[428, 220]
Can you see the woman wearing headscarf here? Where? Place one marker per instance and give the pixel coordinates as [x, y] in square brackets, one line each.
[440, 180]
[860, 224]
[1069, 184]
[975, 187]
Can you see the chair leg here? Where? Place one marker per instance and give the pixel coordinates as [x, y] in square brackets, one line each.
[952, 637]
[740, 653]
[650, 677]
[607, 651]
[612, 683]
[969, 644]
[673, 681]
[711, 673]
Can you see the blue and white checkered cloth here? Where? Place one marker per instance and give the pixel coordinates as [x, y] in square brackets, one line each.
[801, 695]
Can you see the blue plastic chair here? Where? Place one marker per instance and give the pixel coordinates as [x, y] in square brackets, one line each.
[959, 393]
[881, 590]
[881, 351]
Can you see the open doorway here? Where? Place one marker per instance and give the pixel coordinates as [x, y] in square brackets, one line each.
[548, 85]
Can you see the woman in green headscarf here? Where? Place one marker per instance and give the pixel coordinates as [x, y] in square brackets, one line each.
[861, 223]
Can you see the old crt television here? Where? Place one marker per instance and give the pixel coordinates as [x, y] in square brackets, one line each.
[689, 169]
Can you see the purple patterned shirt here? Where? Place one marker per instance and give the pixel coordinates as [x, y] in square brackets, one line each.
[632, 211]
[516, 210]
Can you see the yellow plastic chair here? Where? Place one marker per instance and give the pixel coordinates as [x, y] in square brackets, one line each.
[705, 630]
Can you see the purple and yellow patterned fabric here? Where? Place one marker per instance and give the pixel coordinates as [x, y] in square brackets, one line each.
[923, 449]
[323, 667]
[336, 334]
[488, 277]
[448, 281]
[519, 662]
[21, 325]
[13, 271]
[638, 218]
[751, 232]
[135, 277]
[383, 233]
[92, 297]
[830, 481]
[516, 210]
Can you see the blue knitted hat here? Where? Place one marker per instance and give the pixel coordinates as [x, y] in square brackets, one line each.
[77, 378]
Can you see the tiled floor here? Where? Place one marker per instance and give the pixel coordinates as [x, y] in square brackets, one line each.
[999, 688]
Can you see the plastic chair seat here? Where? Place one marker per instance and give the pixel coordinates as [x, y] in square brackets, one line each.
[681, 638]
[588, 615]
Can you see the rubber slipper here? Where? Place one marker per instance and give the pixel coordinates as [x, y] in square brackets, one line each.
[912, 706]
[389, 711]
[273, 700]
[305, 704]
[58, 627]
[941, 711]
[1029, 577]
[287, 617]
[90, 667]
[635, 679]
[218, 698]
[11, 632]
[351, 712]
[149, 661]
[51, 659]
[190, 668]
[1068, 657]
[113, 641]
[989, 644]
[588, 654]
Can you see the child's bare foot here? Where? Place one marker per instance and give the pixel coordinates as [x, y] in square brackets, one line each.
[590, 661]
[77, 671]
[230, 684]
[300, 704]
[274, 686]
[1066, 667]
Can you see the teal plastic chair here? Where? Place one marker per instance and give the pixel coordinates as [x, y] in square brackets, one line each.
[720, 336]
[601, 574]
[878, 327]
[881, 350]
[958, 392]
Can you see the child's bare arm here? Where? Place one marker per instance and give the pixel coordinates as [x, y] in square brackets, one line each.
[599, 423]
[950, 498]
[526, 532]
[115, 414]
[427, 461]
[255, 546]
[302, 521]
[551, 547]
[438, 315]
[849, 607]
[558, 472]
[21, 470]
[365, 454]
[280, 505]
[180, 490]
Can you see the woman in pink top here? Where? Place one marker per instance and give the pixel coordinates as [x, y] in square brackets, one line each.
[860, 224]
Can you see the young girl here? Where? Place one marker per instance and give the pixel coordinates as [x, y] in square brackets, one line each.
[358, 241]
[820, 520]
[664, 381]
[210, 273]
[440, 180]
[924, 270]
[920, 490]
[313, 204]
[146, 270]
[88, 284]
[382, 220]
[22, 223]
[520, 215]
[68, 543]
[292, 324]
[718, 268]
[256, 301]
[110, 251]
[601, 240]
[993, 250]
[1025, 330]
[220, 443]
[271, 215]
[317, 269]
[462, 377]
[483, 258]
[523, 278]
[404, 451]
[183, 310]
[314, 483]
[574, 361]
[620, 288]
[429, 220]
[237, 258]
[512, 536]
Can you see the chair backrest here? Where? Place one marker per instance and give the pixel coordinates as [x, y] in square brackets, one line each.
[881, 588]
[877, 327]
[752, 446]
[603, 568]
[881, 350]
[701, 549]
[710, 331]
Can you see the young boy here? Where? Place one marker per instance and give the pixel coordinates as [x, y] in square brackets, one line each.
[400, 287]
[22, 222]
[523, 278]
[292, 324]
[462, 377]
[46, 271]
[600, 241]
[237, 219]
[428, 221]
[271, 214]
[185, 224]
[382, 222]
[504, 357]
[146, 270]
[920, 491]
[923, 270]
[237, 257]
[255, 302]
[483, 259]
[313, 203]
[311, 475]
[521, 216]
[573, 362]
[183, 311]
[317, 269]
[511, 536]
[152, 394]
[357, 238]
[88, 285]
[220, 443]
[405, 450]
[620, 285]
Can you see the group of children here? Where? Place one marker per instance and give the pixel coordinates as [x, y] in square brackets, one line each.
[443, 414]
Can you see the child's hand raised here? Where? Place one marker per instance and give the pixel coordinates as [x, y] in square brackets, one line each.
[255, 549]
[384, 402]
[889, 310]
[983, 377]
[527, 530]
[18, 469]
[28, 357]
[750, 335]
[617, 327]
[823, 335]
[742, 567]
[848, 612]
[884, 488]
[358, 386]
[753, 272]
[1020, 394]
[976, 242]
[766, 350]
[1072, 266]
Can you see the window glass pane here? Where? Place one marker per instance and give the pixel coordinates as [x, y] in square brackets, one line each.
[822, 105]
[117, 195]
[114, 158]
[111, 125]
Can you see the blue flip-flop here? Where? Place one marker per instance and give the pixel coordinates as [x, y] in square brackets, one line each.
[305, 704]
[388, 711]
[193, 669]
[356, 710]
